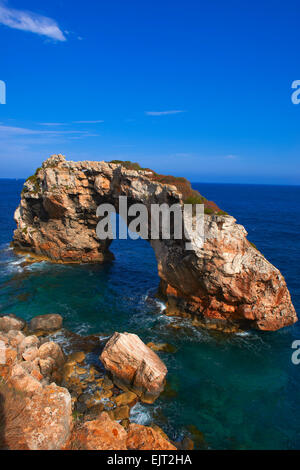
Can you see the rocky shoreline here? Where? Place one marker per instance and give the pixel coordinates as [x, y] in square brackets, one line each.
[50, 400]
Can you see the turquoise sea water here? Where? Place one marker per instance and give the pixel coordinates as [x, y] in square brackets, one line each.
[241, 391]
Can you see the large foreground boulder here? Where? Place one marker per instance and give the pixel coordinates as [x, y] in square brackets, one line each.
[134, 366]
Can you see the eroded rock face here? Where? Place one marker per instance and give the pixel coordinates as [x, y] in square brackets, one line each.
[134, 366]
[105, 434]
[49, 418]
[227, 281]
[43, 420]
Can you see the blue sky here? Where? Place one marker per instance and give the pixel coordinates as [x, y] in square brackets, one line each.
[194, 88]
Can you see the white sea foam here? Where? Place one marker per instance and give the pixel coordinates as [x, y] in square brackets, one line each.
[139, 414]
[83, 329]
[243, 333]
[17, 262]
[6, 247]
[15, 265]
[162, 306]
[37, 266]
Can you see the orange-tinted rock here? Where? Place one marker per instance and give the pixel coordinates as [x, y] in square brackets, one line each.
[145, 438]
[134, 366]
[49, 419]
[100, 434]
[105, 434]
[127, 398]
[161, 347]
[45, 418]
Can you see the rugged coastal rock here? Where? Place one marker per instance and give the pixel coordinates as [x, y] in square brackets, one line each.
[134, 366]
[106, 434]
[37, 413]
[227, 281]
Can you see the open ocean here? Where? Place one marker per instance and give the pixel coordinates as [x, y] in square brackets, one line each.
[240, 391]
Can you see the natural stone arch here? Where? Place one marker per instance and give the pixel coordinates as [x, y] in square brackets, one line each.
[226, 282]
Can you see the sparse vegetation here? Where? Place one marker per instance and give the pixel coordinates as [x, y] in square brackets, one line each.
[195, 199]
[128, 165]
[208, 210]
[50, 165]
[189, 195]
[34, 180]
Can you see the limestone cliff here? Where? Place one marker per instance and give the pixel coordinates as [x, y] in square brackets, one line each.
[227, 281]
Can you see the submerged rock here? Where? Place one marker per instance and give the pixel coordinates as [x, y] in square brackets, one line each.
[120, 413]
[162, 347]
[134, 366]
[225, 281]
[77, 357]
[127, 398]
[50, 322]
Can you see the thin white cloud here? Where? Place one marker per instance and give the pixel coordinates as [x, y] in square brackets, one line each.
[54, 124]
[87, 122]
[163, 113]
[29, 21]
[22, 131]
[51, 124]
